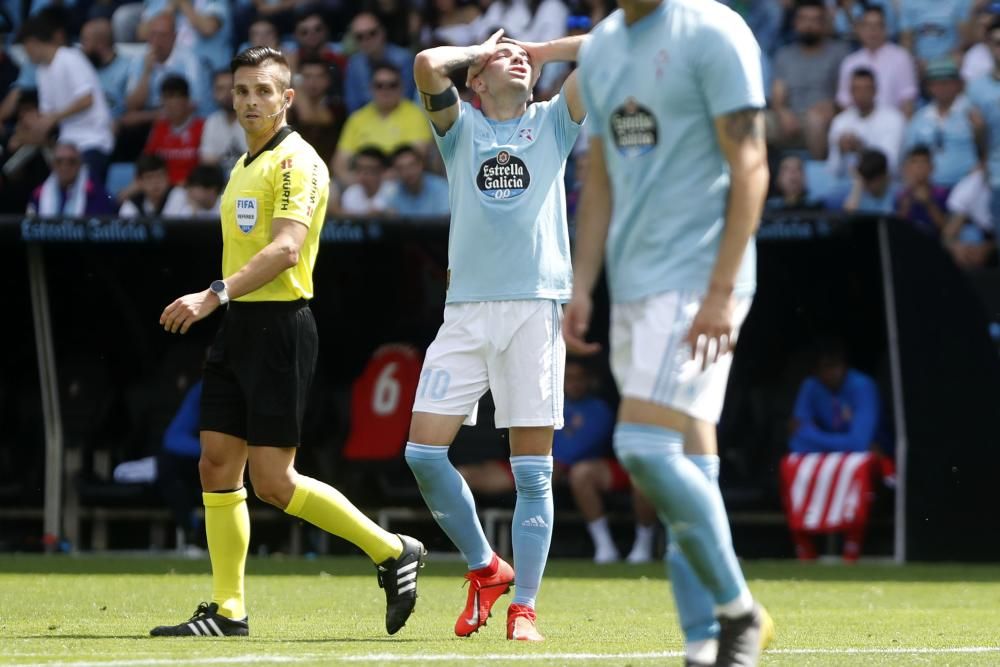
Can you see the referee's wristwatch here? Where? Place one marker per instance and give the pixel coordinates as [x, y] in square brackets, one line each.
[218, 288]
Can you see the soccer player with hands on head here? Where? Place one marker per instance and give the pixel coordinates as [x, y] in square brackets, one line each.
[508, 273]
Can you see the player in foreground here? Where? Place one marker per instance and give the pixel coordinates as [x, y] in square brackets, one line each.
[261, 364]
[674, 190]
[509, 271]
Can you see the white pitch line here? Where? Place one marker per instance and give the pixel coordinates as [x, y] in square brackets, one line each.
[506, 657]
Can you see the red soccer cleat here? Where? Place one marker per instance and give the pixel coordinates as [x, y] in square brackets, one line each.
[521, 624]
[485, 588]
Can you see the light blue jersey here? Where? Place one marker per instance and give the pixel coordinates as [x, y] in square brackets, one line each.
[508, 237]
[652, 91]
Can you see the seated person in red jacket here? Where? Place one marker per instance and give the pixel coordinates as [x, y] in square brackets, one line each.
[69, 190]
[176, 134]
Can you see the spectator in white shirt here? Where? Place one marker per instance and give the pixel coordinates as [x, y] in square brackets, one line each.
[864, 125]
[371, 193]
[202, 191]
[223, 140]
[154, 194]
[978, 60]
[969, 235]
[893, 65]
[70, 96]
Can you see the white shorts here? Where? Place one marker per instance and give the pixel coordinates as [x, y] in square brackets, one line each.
[513, 348]
[651, 361]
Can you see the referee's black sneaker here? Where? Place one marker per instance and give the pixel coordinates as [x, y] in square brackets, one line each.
[398, 576]
[206, 622]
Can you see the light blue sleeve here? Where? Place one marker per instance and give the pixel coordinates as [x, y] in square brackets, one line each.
[567, 129]
[449, 142]
[730, 71]
[26, 77]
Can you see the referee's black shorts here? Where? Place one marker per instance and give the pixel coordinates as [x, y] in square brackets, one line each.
[258, 372]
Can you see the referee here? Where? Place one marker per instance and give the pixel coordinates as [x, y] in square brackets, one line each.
[261, 364]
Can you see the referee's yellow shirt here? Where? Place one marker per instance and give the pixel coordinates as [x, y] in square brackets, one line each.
[286, 179]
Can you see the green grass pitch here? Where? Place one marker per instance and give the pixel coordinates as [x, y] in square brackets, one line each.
[97, 610]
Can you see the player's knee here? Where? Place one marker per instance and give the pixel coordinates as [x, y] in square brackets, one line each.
[213, 474]
[273, 488]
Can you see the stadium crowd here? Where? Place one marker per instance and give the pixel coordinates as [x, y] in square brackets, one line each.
[875, 106]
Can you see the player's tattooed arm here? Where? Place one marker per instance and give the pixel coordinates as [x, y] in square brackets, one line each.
[743, 125]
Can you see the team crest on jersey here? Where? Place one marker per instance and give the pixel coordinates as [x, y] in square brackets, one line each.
[526, 134]
[503, 177]
[633, 127]
[246, 213]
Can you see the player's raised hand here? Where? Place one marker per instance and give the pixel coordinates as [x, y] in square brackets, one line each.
[185, 311]
[483, 52]
[576, 322]
[711, 333]
[538, 52]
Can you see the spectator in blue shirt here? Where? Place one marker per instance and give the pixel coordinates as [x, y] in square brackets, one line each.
[203, 27]
[872, 190]
[164, 57]
[177, 466]
[931, 28]
[944, 125]
[418, 193]
[837, 408]
[369, 34]
[113, 69]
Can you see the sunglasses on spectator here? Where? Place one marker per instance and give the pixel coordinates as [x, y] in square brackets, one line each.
[310, 30]
[366, 34]
[385, 85]
[67, 160]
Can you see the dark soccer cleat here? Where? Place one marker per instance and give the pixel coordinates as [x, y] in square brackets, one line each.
[739, 640]
[206, 622]
[398, 576]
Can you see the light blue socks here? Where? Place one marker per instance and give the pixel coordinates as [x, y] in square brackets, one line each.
[695, 606]
[450, 501]
[531, 532]
[691, 505]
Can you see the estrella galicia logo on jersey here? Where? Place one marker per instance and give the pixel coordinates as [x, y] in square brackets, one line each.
[503, 177]
[246, 213]
[633, 127]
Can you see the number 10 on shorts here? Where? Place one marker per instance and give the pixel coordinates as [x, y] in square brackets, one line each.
[434, 383]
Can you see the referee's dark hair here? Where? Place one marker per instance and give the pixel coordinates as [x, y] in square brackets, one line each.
[256, 56]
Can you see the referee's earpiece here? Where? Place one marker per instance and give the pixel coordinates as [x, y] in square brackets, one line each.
[288, 100]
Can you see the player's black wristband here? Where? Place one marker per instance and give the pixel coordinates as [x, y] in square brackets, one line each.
[440, 101]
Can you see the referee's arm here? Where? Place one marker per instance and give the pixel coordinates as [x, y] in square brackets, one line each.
[281, 254]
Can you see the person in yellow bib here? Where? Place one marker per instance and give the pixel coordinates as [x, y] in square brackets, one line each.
[261, 363]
